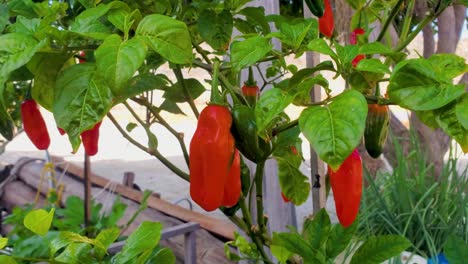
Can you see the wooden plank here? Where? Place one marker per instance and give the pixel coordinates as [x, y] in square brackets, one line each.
[217, 226]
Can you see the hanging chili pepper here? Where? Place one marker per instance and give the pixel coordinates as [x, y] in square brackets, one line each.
[244, 130]
[61, 131]
[326, 22]
[232, 187]
[34, 124]
[250, 89]
[375, 134]
[90, 139]
[353, 41]
[212, 152]
[285, 199]
[315, 7]
[346, 184]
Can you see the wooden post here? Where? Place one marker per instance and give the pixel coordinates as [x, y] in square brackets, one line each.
[317, 168]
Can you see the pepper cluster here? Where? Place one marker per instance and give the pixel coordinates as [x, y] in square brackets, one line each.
[36, 129]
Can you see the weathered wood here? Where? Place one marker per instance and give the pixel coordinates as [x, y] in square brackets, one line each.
[18, 193]
[217, 226]
[209, 249]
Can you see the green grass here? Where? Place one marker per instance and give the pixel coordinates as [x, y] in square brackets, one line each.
[411, 202]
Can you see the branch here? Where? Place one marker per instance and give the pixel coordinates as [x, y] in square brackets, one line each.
[150, 151]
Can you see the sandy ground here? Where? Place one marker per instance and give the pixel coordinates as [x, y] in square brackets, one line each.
[116, 155]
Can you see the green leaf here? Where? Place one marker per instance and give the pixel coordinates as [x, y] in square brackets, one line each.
[247, 52]
[317, 230]
[45, 67]
[293, 183]
[87, 23]
[271, 103]
[82, 98]
[299, 76]
[294, 243]
[447, 119]
[168, 37]
[256, 19]
[293, 34]
[215, 28]
[428, 118]
[176, 92]
[4, 259]
[130, 126]
[335, 129]
[75, 253]
[25, 26]
[346, 53]
[378, 249]
[143, 83]
[106, 237]
[319, 45]
[3, 16]
[164, 255]
[117, 61]
[16, 49]
[340, 238]
[3, 242]
[123, 20]
[302, 96]
[280, 253]
[461, 110]
[415, 85]
[448, 66]
[374, 48]
[144, 238]
[39, 221]
[372, 65]
[22, 7]
[171, 107]
[456, 250]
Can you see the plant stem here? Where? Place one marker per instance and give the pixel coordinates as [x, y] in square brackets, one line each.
[389, 20]
[407, 20]
[231, 90]
[163, 122]
[180, 78]
[413, 34]
[259, 195]
[153, 152]
[284, 127]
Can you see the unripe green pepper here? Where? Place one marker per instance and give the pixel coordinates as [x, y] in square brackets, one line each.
[375, 135]
[244, 130]
[316, 7]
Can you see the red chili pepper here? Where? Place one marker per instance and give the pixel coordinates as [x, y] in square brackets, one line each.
[61, 131]
[294, 150]
[233, 185]
[90, 139]
[250, 91]
[346, 184]
[285, 199]
[211, 155]
[83, 55]
[326, 22]
[353, 41]
[34, 124]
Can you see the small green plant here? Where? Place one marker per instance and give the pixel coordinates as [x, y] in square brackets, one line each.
[57, 235]
[413, 203]
[321, 242]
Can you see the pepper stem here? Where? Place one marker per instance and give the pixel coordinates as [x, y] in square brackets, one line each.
[215, 95]
[251, 81]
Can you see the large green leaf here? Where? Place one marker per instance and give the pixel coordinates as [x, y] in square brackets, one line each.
[447, 119]
[317, 230]
[378, 249]
[82, 98]
[461, 109]
[216, 28]
[415, 85]
[75, 253]
[321, 46]
[293, 34]
[340, 238]
[123, 19]
[256, 19]
[372, 65]
[45, 67]
[144, 238]
[106, 237]
[175, 93]
[168, 37]
[117, 61]
[4, 259]
[456, 250]
[295, 243]
[293, 183]
[39, 221]
[271, 103]
[247, 52]
[88, 23]
[165, 256]
[336, 128]
[3, 16]
[448, 66]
